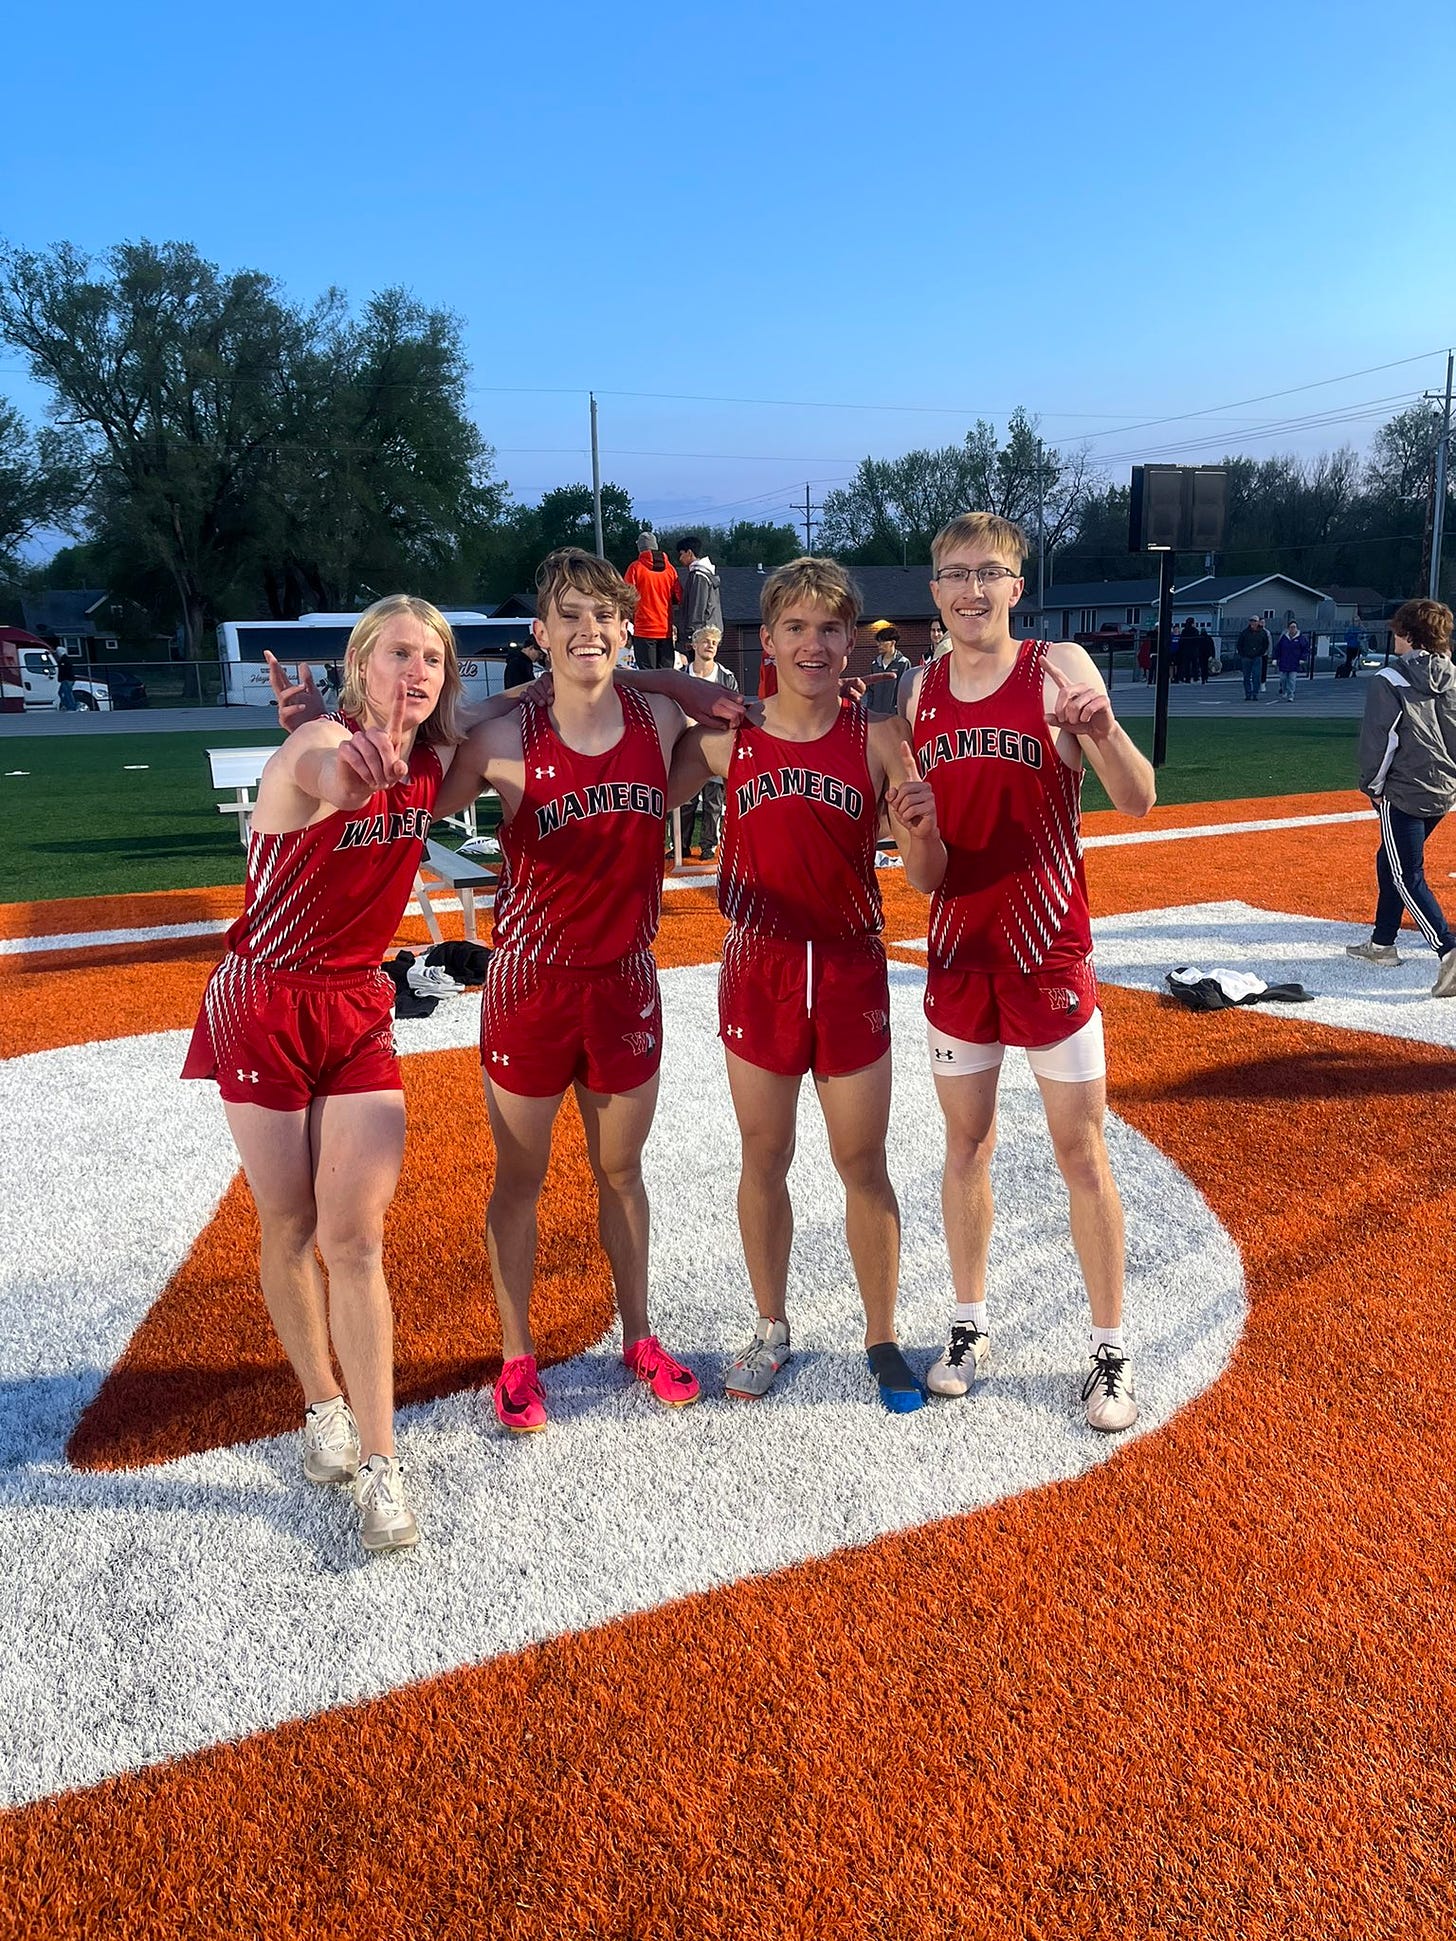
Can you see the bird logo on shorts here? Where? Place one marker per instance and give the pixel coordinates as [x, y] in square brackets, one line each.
[878, 1022]
[1062, 1000]
[639, 1043]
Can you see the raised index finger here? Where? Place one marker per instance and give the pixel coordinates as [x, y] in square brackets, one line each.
[909, 763]
[397, 714]
[277, 675]
[1055, 675]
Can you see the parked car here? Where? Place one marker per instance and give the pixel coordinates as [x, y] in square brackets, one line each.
[127, 690]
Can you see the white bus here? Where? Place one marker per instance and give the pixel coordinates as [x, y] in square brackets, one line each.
[319, 640]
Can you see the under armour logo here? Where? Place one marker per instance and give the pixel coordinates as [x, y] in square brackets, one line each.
[252, 1077]
[946, 1057]
[928, 714]
[743, 754]
[500, 1058]
[733, 1031]
[545, 774]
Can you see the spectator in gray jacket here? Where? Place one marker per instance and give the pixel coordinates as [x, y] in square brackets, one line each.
[1408, 769]
[702, 593]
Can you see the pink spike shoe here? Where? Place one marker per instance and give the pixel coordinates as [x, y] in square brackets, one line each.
[669, 1381]
[519, 1404]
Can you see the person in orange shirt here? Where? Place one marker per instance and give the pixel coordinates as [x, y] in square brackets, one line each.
[654, 576]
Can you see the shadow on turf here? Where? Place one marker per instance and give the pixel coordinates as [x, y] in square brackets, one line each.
[1320, 1075]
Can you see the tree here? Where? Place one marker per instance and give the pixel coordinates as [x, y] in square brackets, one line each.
[744, 543]
[42, 478]
[508, 553]
[176, 377]
[894, 507]
[383, 478]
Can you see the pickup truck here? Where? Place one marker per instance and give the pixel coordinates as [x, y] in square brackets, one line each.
[29, 676]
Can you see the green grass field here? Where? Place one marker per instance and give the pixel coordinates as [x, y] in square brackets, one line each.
[138, 812]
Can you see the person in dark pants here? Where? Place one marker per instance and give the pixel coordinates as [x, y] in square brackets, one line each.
[1206, 650]
[659, 596]
[66, 683]
[1186, 654]
[1252, 649]
[1408, 769]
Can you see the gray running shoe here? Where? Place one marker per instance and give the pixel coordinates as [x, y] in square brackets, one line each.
[965, 1360]
[330, 1442]
[1445, 984]
[755, 1369]
[1109, 1393]
[386, 1520]
[1374, 953]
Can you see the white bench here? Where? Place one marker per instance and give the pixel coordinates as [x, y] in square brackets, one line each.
[238, 769]
[463, 874]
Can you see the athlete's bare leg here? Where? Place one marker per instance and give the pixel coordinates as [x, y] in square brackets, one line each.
[969, 1105]
[766, 1105]
[358, 1145]
[521, 1128]
[278, 1160]
[1074, 1115]
[617, 1125]
[856, 1111]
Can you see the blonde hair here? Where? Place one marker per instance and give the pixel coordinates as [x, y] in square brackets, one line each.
[715, 634]
[1425, 624]
[815, 582]
[572, 569]
[440, 723]
[1003, 536]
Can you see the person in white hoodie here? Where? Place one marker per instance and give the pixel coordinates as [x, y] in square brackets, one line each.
[1408, 769]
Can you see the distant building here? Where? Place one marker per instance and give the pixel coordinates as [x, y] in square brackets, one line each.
[69, 619]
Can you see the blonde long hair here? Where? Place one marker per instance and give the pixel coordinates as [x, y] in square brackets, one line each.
[440, 724]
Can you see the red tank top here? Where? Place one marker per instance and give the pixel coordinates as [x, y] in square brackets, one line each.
[798, 859]
[330, 897]
[1009, 809]
[582, 882]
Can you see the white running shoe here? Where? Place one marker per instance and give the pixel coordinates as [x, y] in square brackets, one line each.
[965, 1360]
[1445, 984]
[1109, 1393]
[1374, 953]
[755, 1369]
[386, 1521]
[432, 980]
[330, 1442]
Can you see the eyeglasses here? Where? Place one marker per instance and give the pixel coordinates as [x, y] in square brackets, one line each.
[982, 575]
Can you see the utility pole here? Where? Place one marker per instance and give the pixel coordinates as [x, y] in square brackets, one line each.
[596, 479]
[808, 511]
[1438, 501]
[1040, 537]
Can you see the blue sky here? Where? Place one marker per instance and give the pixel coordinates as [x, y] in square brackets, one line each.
[1109, 214]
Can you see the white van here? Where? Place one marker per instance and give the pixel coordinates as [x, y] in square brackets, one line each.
[29, 677]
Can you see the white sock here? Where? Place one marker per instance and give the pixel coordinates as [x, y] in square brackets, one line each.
[972, 1311]
[1109, 1337]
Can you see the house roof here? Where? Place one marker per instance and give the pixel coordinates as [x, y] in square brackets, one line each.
[62, 611]
[1219, 588]
[1356, 596]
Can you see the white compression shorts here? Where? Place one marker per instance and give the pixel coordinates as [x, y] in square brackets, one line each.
[1075, 1061]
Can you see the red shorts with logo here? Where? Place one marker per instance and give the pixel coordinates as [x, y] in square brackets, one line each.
[280, 1039]
[543, 1030]
[800, 1007]
[1012, 1007]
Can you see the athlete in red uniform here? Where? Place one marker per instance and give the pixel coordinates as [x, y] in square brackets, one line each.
[804, 984]
[571, 996]
[297, 1028]
[1002, 728]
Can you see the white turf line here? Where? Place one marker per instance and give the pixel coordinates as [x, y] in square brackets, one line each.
[97, 939]
[154, 1612]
